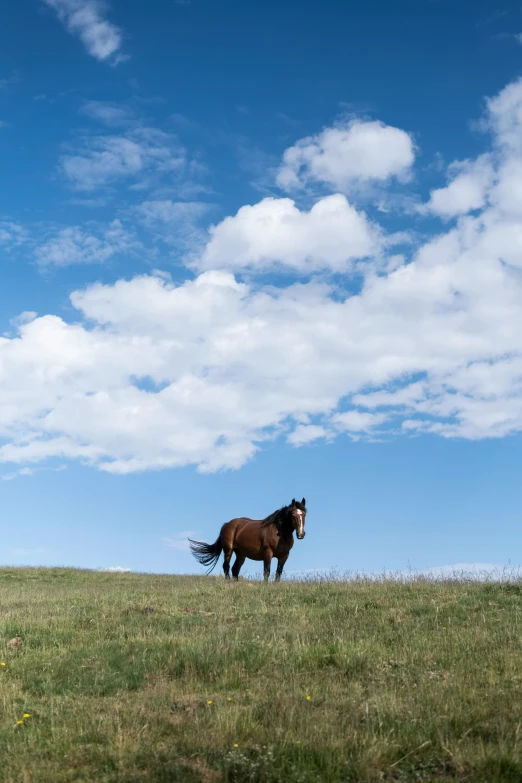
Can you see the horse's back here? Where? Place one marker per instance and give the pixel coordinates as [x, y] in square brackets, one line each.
[243, 534]
[235, 525]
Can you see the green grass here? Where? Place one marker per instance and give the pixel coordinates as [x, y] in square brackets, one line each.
[417, 681]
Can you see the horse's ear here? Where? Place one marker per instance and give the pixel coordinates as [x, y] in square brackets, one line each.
[303, 501]
[293, 501]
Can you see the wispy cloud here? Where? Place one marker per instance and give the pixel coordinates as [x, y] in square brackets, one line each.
[176, 223]
[86, 20]
[7, 81]
[491, 19]
[12, 234]
[30, 471]
[110, 114]
[141, 154]
[180, 540]
[170, 212]
[17, 473]
[90, 245]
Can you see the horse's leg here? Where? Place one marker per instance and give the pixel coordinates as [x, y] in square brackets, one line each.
[280, 565]
[267, 561]
[236, 568]
[226, 562]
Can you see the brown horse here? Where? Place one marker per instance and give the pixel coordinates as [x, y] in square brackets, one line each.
[257, 539]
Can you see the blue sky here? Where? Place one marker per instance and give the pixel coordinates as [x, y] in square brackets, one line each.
[252, 251]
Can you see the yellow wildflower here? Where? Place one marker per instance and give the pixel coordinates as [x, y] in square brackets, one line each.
[210, 701]
[236, 745]
[308, 698]
[3, 664]
[19, 722]
[229, 698]
[27, 714]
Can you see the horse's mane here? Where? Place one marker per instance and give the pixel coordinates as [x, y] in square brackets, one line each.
[280, 517]
[277, 518]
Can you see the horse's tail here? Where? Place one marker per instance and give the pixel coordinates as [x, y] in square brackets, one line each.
[206, 554]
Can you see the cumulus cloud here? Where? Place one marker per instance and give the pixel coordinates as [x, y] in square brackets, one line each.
[151, 374]
[86, 20]
[504, 117]
[275, 232]
[356, 421]
[347, 154]
[203, 372]
[307, 433]
[75, 245]
[466, 191]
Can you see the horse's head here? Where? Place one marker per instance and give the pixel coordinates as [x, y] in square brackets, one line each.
[298, 513]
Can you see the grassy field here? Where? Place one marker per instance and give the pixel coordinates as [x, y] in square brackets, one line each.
[142, 678]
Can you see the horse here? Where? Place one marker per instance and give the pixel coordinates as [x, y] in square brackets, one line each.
[257, 539]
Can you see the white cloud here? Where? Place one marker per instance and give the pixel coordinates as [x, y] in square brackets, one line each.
[276, 233]
[74, 245]
[17, 473]
[306, 433]
[30, 472]
[347, 154]
[504, 117]
[227, 366]
[404, 396]
[177, 223]
[180, 540]
[152, 375]
[86, 19]
[110, 114]
[355, 421]
[139, 154]
[466, 191]
[12, 234]
[152, 213]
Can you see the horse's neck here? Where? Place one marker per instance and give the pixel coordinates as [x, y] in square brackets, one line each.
[283, 524]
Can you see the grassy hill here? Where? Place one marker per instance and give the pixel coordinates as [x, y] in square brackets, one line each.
[140, 679]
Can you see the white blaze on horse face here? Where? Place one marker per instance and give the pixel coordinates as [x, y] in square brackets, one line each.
[300, 524]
